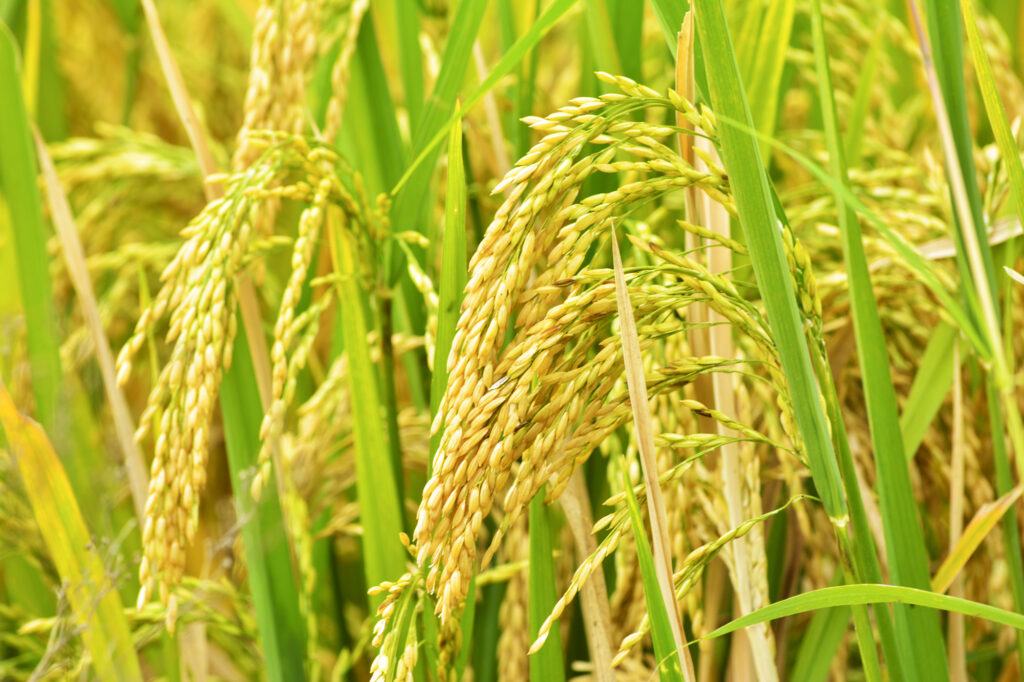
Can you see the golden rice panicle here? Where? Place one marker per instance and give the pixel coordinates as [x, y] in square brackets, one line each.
[491, 396]
[340, 71]
[199, 295]
[287, 359]
[563, 423]
[284, 42]
[580, 576]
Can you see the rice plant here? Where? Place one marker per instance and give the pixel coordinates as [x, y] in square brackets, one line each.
[567, 339]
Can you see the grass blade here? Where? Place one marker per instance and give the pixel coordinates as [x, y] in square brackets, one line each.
[21, 193]
[29, 234]
[862, 99]
[453, 274]
[955, 135]
[547, 662]
[945, 60]
[381, 513]
[50, 114]
[95, 603]
[394, 646]
[662, 630]
[999, 121]
[268, 555]
[908, 557]
[602, 36]
[757, 216]
[669, 14]
[931, 386]
[852, 595]
[765, 76]
[409, 198]
[371, 136]
[407, 15]
[757, 213]
[820, 643]
[628, 25]
[913, 258]
[1011, 529]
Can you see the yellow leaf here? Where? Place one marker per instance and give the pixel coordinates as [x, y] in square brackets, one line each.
[95, 604]
[980, 525]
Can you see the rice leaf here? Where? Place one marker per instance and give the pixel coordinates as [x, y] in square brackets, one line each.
[851, 595]
[50, 110]
[453, 273]
[18, 180]
[405, 615]
[820, 643]
[757, 213]
[913, 258]
[954, 133]
[547, 662]
[410, 195]
[666, 648]
[1005, 140]
[487, 631]
[908, 557]
[627, 18]
[862, 98]
[96, 606]
[264, 539]
[407, 17]
[669, 14]
[757, 216]
[931, 386]
[945, 54]
[371, 136]
[602, 36]
[369, 124]
[1010, 527]
[865, 562]
[466, 624]
[764, 77]
[380, 511]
